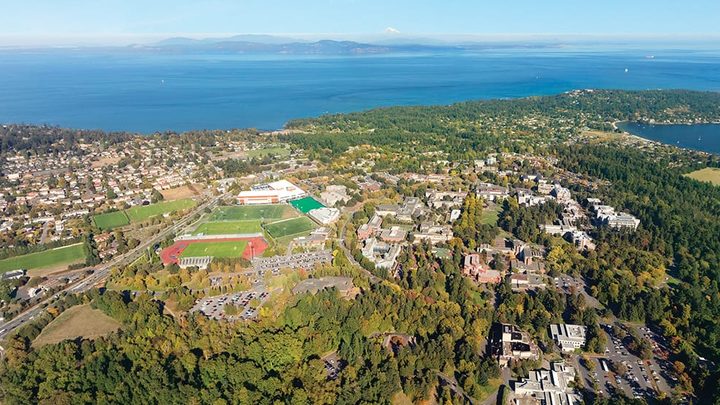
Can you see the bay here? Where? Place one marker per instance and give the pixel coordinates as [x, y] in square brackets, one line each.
[702, 137]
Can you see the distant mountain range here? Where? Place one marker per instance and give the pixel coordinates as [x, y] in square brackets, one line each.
[270, 44]
[265, 44]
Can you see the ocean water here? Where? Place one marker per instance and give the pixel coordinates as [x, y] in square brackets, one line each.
[144, 92]
[704, 137]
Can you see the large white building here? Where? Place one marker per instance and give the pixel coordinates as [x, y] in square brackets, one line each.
[547, 387]
[325, 215]
[568, 337]
[271, 193]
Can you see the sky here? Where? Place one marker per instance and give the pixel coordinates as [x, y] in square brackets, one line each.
[97, 21]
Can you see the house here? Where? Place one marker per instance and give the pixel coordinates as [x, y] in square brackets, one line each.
[569, 337]
[547, 387]
[507, 342]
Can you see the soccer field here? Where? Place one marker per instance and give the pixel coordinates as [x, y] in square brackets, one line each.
[111, 220]
[59, 257]
[230, 249]
[228, 227]
[290, 227]
[252, 212]
[143, 212]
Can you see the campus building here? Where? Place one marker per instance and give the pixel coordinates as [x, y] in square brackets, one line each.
[568, 337]
[271, 193]
[547, 387]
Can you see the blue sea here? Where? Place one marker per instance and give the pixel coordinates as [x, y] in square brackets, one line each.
[704, 137]
[146, 92]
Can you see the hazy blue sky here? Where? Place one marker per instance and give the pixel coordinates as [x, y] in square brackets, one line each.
[57, 19]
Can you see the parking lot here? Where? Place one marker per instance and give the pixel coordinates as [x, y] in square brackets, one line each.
[644, 378]
[214, 307]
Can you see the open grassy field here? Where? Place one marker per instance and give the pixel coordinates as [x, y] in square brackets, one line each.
[252, 212]
[229, 227]
[229, 249]
[182, 192]
[306, 204]
[52, 258]
[111, 220]
[708, 174]
[290, 227]
[143, 212]
[80, 320]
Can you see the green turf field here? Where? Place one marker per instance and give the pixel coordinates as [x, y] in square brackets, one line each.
[229, 227]
[49, 258]
[111, 220]
[228, 249]
[290, 227]
[306, 204]
[143, 212]
[252, 212]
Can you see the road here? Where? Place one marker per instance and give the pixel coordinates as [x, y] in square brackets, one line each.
[103, 271]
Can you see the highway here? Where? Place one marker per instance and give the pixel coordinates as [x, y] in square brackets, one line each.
[103, 270]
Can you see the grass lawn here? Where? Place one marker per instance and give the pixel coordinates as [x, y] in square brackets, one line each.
[276, 151]
[111, 220]
[228, 249]
[229, 227]
[306, 204]
[252, 212]
[80, 320]
[490, 215]
[290, 227]
[708, 174]
[52, 258]
[143, 212]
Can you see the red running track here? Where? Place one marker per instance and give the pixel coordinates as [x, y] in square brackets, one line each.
[171, 254]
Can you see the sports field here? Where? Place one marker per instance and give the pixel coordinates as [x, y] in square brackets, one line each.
[228, 227]
[52, 258]
[252, 212]
[143, 212]
[306, 204]
[229, 249]
[708, 174]
[290, 227]
[111, 220]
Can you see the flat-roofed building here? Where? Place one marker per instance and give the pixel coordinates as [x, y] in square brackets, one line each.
[569, 337]
[271, 193]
